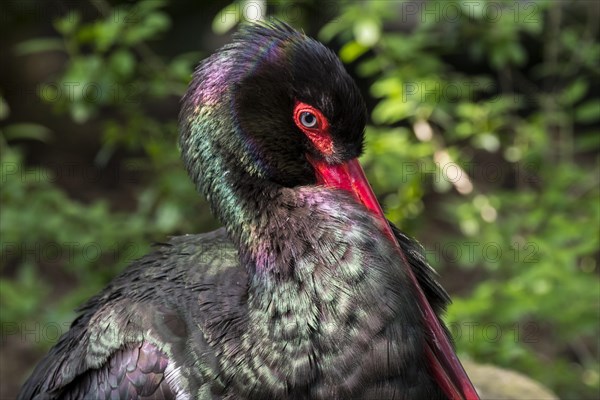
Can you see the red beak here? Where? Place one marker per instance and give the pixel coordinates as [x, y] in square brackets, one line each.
[445, 366]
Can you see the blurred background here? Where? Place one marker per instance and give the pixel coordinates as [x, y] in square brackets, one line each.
[482, 143]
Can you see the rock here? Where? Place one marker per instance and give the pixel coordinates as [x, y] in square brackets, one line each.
[494, 383]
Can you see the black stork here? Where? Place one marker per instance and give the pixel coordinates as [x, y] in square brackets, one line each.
[308, 292]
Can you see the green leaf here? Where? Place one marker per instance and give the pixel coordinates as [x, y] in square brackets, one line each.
[588, 112]
[517, 54]
[400, 45]
[68, 24]
[145, 6]
[574, 92]
[4, 109]
[182, 66]
[390, 111]
[81, 112]
[122, 62]
[370, 67]
[390, 86]
[27, 131]
[158, 21]
[351, 51]
[487, 141]
[38, 45]
[499, 56]
[104, 33]
[226, 19]
[148, 29]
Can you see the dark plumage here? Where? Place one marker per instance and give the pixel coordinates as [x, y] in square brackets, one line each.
[301, 296]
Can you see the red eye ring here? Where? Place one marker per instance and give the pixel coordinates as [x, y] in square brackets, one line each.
[318, 130]
[300, 109]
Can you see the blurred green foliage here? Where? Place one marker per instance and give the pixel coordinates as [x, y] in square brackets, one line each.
[111, 70]
[485, 111]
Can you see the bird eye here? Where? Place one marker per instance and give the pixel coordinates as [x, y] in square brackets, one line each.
[308, 119]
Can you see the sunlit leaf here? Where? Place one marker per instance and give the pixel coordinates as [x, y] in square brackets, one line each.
[351, 51]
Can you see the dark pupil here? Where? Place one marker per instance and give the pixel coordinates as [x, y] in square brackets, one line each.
[308, 119]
